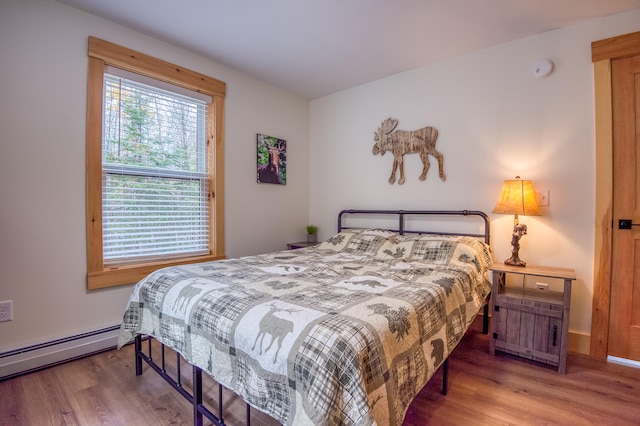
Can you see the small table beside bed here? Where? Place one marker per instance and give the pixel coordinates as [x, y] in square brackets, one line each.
[346, 332]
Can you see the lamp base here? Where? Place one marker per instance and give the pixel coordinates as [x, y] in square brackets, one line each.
[519, 230]
[515, 261]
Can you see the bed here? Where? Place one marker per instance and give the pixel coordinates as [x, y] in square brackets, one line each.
[346, 332]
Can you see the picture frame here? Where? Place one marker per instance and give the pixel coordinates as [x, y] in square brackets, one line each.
[271, 159]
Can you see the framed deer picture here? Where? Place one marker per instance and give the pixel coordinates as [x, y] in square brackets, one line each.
[272, 159]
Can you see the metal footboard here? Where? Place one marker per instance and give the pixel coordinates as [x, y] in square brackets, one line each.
[200, 411]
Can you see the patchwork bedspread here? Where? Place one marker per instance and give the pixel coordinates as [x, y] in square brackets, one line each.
[343, 333]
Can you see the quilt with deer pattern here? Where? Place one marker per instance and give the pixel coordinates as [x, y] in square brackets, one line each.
[343, 333]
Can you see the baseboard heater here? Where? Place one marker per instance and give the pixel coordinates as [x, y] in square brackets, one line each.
[32, 358]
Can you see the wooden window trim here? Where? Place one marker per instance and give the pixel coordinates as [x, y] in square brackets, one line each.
[103, 53]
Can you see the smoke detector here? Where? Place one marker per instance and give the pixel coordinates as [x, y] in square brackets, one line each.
[542, 68]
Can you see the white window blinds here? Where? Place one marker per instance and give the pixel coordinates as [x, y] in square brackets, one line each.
[155, 194]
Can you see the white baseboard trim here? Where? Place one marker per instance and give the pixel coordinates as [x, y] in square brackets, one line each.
[36, 357]
[623, 361]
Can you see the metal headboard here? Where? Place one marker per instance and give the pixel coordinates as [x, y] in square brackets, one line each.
[402, 214]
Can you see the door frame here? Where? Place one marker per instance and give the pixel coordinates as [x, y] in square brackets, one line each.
[602, 53]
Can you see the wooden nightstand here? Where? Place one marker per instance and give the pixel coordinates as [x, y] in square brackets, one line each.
[300, 244]
[528, 322]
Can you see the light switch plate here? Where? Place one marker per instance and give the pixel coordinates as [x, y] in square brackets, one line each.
[542, 198]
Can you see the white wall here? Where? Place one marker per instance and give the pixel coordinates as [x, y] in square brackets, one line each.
[496, 121]
[43, 57]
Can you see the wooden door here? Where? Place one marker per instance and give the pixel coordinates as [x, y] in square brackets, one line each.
[624, 322]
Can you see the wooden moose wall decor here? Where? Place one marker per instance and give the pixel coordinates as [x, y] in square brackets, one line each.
[402, 142]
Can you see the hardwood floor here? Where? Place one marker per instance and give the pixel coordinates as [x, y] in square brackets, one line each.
[483, 390]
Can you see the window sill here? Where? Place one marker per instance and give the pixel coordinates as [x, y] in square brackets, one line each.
[130, 274]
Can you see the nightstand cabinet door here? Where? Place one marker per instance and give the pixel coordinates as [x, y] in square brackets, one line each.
[528, 328]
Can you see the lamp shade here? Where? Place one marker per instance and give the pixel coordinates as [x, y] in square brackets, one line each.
[517, 197]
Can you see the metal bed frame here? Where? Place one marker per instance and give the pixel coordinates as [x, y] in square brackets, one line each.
[200, 411]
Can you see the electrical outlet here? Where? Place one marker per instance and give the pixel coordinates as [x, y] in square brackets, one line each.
[542, 286]
[6, 311]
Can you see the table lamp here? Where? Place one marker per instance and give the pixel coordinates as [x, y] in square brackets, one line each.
[517, 197]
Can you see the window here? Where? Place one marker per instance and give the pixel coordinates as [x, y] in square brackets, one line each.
[154, 165]
[155, 186]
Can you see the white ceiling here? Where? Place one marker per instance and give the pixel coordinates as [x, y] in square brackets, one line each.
[317, 47]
